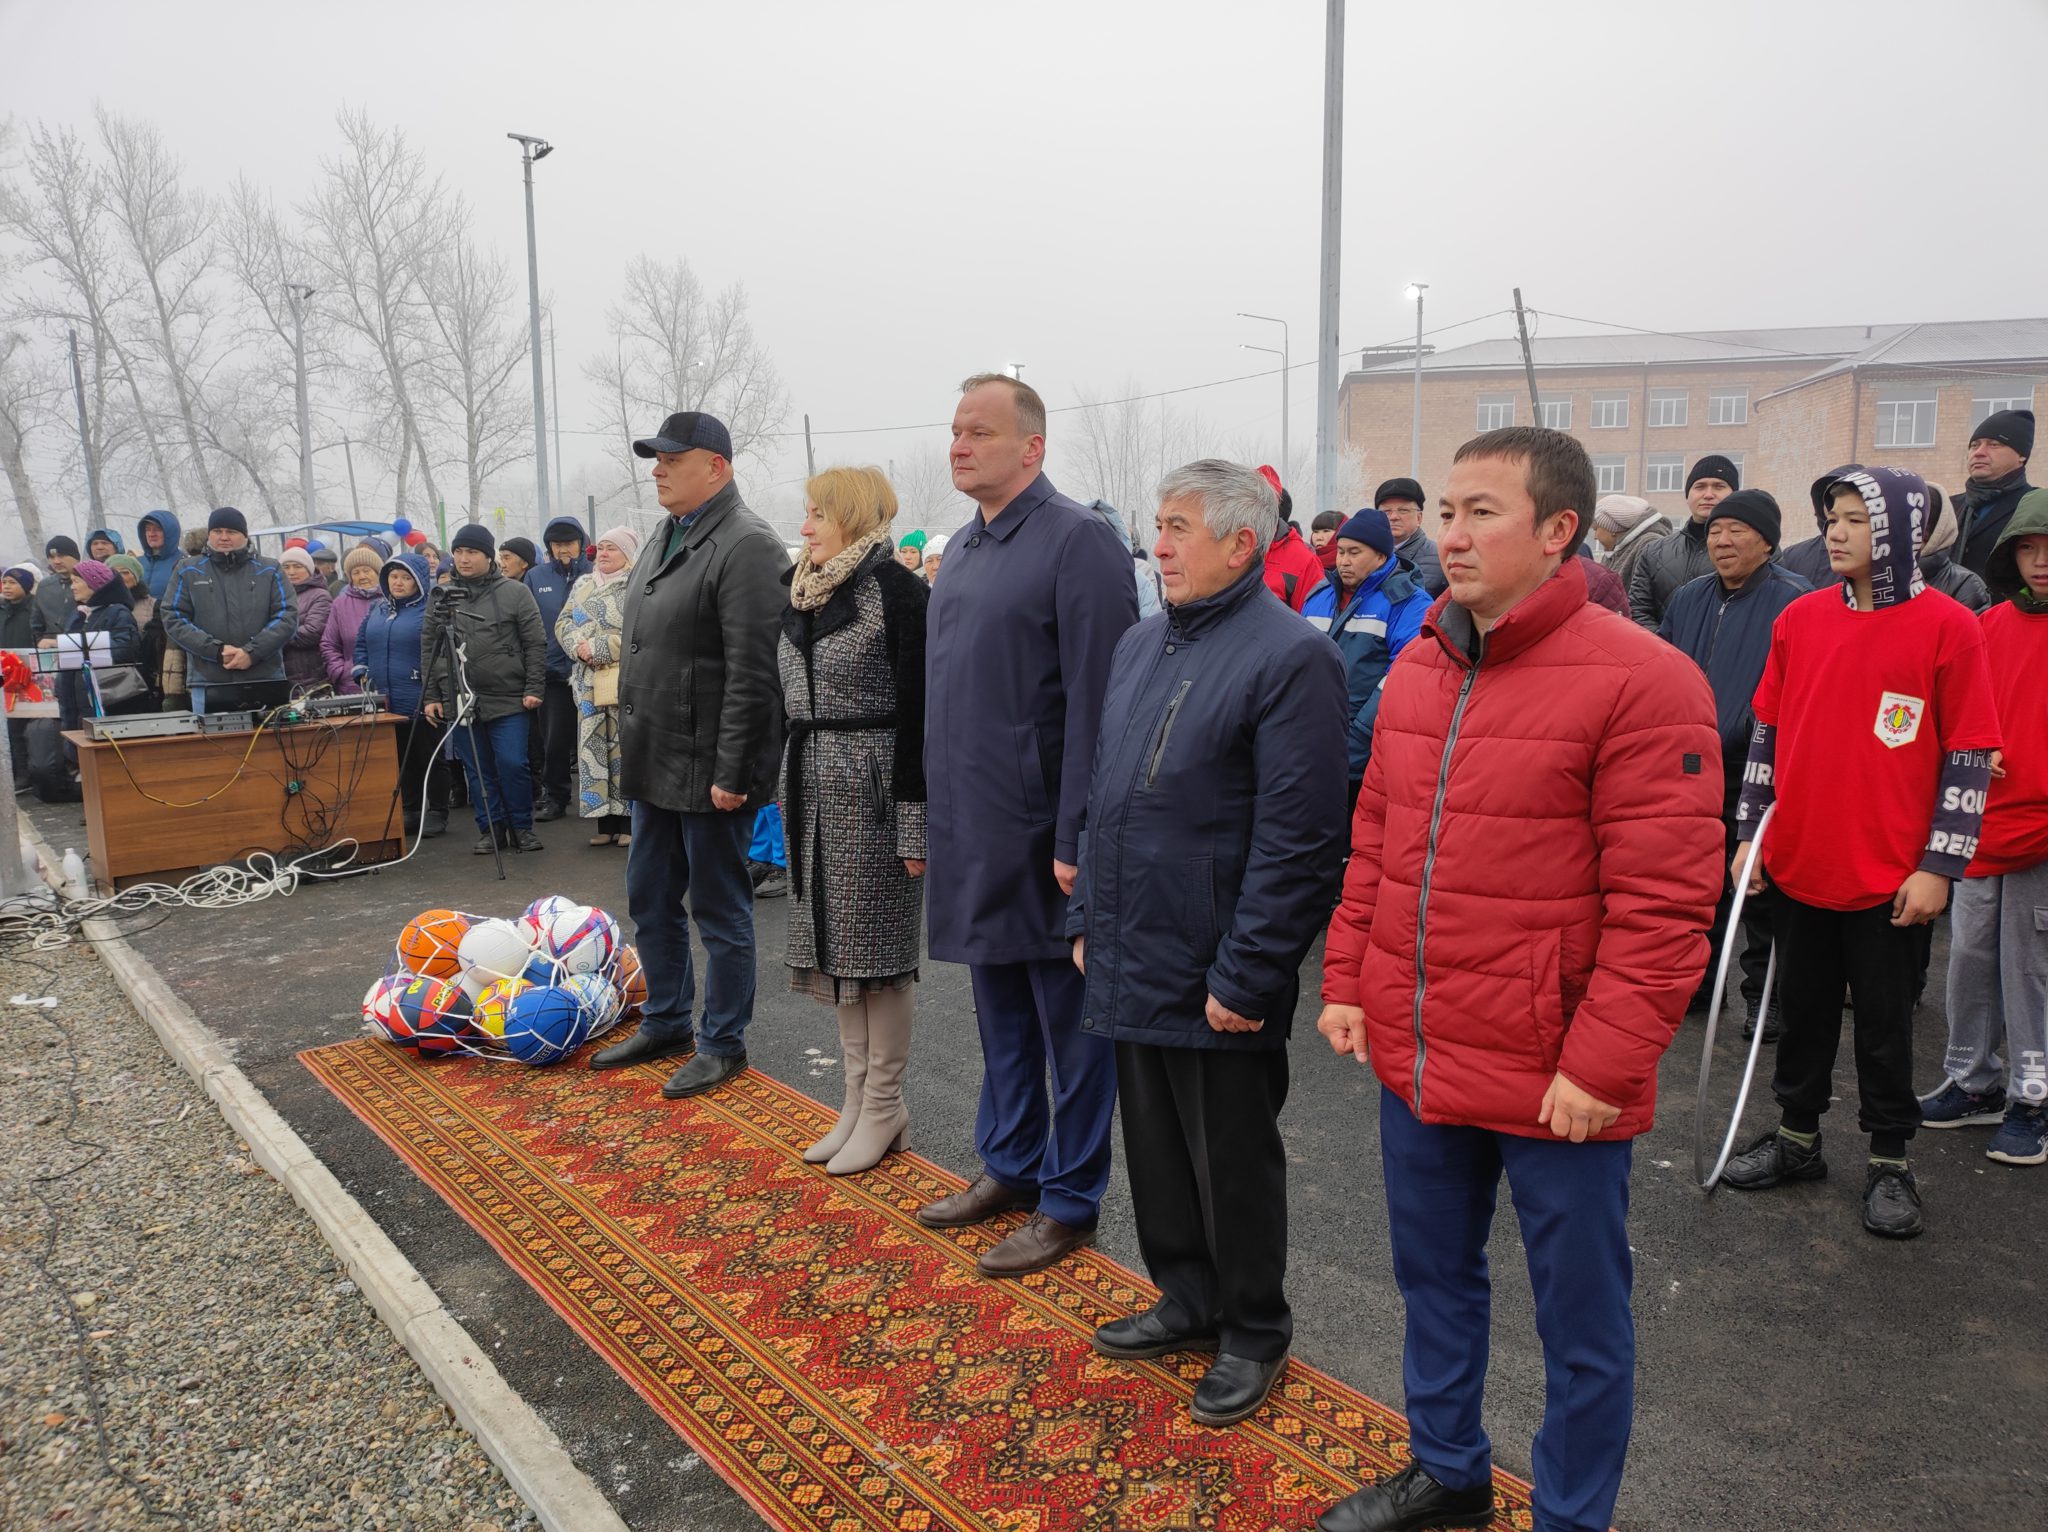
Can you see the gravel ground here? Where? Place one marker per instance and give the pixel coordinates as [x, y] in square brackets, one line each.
[177, 1345]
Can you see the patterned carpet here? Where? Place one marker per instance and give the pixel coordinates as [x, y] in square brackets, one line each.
[841, 1366]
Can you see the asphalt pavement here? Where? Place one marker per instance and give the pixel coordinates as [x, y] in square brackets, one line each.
[1793, 1370]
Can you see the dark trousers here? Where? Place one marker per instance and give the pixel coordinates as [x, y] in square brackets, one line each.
[17, 749]
[701, 858]
[422, 768]
[551, 754]
[1756, 933]
[1209, 1188]
[1029, 1016]
[493, 756]
[1880, 963]
[1572, 1203]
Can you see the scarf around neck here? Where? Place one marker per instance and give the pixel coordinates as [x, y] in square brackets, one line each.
[811, 585]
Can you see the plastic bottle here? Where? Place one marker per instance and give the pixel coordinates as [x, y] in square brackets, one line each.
[74, 875]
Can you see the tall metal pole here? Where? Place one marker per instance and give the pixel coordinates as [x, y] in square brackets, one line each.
[1528, 361]
[1286, 376]
[810, 463]
[92, 461]
[555, 387]
[1415, 431]
[527, 147]
[350, 458]
[1333, 229]
[299, 297]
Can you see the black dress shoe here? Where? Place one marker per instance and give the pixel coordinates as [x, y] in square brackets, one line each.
[1147, 1335]
[702, 1073]
[643, 1046]
[1409, 1502]
[526, 840]
[433, 822]
[547, 811]
[1234, 1387]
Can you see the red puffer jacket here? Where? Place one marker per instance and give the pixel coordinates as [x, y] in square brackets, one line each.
[1292, 569]
[1540, 836]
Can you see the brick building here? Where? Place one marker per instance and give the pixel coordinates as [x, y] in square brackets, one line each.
[1784, 404]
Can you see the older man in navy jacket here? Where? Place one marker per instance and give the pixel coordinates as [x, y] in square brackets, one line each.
[1019, 633]
[1215, 845]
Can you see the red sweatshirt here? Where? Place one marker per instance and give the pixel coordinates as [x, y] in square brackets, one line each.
[2015, 833]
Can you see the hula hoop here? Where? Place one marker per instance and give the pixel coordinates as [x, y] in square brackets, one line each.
[1710, 1178]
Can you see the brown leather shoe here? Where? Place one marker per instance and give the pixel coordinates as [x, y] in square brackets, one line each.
[1042, 1242]
[984, 1198]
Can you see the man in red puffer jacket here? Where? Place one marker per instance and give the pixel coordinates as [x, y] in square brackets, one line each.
[1292, 571]
[1534, 867]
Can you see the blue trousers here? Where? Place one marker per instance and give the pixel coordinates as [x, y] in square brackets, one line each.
[701, 857]
[1030, 1020]
[1572, 1203]
[767, 845]
[500, 786]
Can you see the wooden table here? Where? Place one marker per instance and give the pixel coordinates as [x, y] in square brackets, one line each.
[302, 787]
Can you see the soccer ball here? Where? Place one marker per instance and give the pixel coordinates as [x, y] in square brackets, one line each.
[540, 915]
[580, 938]
[545, 1024]
[427, 946]
[494, 1005]
[429, 1016]
[492, 950]
[380, 1004]
[597, 996]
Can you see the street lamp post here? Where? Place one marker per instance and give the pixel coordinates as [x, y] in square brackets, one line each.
[1415, 291]
[531, 149]
[1286, 344]
[300, 296]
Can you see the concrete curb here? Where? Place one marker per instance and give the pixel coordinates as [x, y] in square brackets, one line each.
[529, 1454]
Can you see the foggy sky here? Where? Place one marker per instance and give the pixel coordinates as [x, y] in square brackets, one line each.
[912, 192]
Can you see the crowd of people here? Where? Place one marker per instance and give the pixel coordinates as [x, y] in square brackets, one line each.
[1513, 773]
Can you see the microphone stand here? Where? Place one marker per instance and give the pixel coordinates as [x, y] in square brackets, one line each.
[465, 716]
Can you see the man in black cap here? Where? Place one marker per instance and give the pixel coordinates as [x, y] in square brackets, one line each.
[1999, 449]
[54, 604]
[516, 555]
[554, 733]
[231, 612]
[1723, 621]
[1677, 561]
[1403, 502]
[700, 739]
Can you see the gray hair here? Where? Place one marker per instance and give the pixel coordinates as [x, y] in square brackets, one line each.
[1233, 497]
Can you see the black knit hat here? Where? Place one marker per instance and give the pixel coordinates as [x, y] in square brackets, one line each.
[63, 547]
[2014, 428]
[1754, 508]
[1714, 466]
[228, 519]
[1398, 489]
[524, 548]
[472, 535]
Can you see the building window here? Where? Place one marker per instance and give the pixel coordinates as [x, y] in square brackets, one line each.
[2014, 394]
[1557, 414]
[1610, 474]
[1667, 407]
[1664, 476]
[1496, 411]
[1728, 407]
[1906, 420]
[1610, 412]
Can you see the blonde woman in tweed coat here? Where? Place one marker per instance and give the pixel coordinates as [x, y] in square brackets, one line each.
[851, 657]
[588, 631]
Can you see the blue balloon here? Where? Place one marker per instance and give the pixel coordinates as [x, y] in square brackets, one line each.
[401, 526]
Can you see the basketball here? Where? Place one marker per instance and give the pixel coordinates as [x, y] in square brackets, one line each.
[427, 946]
[379, 1004]
[492, 950]
[429, 1016]
[632, 982]
[543, 1025]
[495, 1003]
[580, 938]
[540, 915]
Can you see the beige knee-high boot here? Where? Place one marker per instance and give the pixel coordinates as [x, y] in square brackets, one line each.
[853, 1055]
[884, 1119]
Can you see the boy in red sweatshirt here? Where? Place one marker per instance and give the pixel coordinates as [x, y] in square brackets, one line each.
[1875, 727]
[1998, 956]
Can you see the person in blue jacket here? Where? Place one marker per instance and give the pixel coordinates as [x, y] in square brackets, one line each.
[1723, 621]
[1371, 606]
[387, 660]
[1036, 592]
[157, 534]
[552, 753]
[1214, 850]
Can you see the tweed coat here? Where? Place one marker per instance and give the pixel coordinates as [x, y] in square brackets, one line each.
[853, 800]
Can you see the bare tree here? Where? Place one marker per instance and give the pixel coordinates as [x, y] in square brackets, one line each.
[262, 260]
[675, 348]
[171, 251]
[375, 223]
[925, 496]
[1118, 449]
[475, 370]
[27, 386]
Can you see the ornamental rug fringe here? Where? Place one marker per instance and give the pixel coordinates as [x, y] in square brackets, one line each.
[840, 1365]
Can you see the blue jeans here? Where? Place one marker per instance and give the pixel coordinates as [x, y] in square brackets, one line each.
[701, 857]
[1572, 1202]
[500, 786]
[1029, 1015]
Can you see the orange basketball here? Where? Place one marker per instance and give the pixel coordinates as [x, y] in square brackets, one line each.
[631, 981]
[427, 944]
